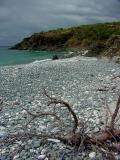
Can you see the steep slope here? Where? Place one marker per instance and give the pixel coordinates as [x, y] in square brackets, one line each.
[97, 38]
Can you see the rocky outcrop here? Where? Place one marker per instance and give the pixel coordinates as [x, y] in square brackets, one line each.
[112, 46]
[44, 41]
[109, 49]
[99, 39]
[95, 49]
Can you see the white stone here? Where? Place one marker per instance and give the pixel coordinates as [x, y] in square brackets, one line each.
[54, 140]
[29, 141]
[43, 151]
[12, 148]
[41, 157]
[29, 126]
[86, 92]
[2, 128]
[92, 155]
[113, 70]
[16, 102]
[6, 114]
[19, 142]
[16, 157]
[63, 87]
[31, 150]
[2, 151]
[23, 111]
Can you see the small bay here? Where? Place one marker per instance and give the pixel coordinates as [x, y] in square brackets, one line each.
[13, 57]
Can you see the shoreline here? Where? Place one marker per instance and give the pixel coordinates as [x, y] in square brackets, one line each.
[60, 60]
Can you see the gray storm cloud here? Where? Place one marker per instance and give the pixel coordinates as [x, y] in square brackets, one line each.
[20, 18]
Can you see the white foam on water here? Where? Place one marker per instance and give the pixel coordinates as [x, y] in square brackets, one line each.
[38, 61]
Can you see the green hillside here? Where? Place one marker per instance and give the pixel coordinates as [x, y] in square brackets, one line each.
[97, 38]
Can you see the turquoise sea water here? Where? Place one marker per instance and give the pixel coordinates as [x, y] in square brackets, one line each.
[12, 57]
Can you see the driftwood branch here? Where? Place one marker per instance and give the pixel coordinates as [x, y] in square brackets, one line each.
[115, 114]
[77, 138]
[74, 138]
[42, 114]
[1, 106]
[65, 104]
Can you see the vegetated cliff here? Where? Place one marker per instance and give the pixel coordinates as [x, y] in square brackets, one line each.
[101, 39]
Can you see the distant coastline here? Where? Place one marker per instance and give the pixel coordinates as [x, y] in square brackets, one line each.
[101, 40]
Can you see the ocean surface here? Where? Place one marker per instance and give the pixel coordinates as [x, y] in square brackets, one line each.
[12, 57]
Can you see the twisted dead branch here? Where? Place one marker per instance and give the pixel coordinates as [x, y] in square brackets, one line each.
[65, 104]
[77, 138]
[115, 114]
[37, 115]
[1, 106]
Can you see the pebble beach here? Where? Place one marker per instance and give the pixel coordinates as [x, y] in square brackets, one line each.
[78, 80]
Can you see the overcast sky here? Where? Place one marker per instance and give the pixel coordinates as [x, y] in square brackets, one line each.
[20, 18]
